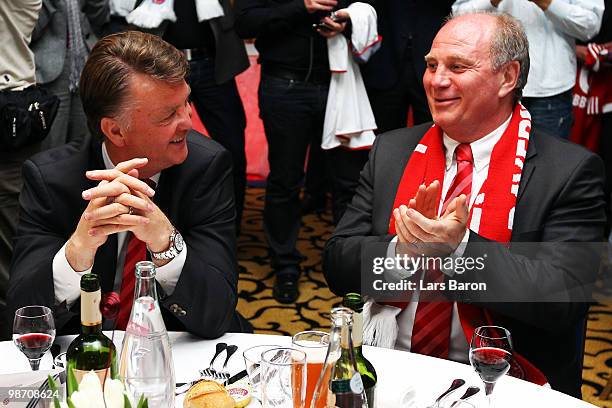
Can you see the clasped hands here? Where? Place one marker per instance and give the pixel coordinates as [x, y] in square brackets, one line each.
[421, 232]
[120, 202]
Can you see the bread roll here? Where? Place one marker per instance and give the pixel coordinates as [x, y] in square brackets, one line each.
[208, 394]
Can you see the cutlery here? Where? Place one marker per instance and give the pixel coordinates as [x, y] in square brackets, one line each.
[467, 394]
[210, 371]
[224, 374]
[457, 382]
[237, 377]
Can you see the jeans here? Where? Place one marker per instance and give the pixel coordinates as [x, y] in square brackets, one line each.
[293, 113]
[220, 108]
[552, 114]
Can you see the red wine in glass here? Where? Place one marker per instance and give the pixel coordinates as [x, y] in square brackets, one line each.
[34, 345]
[33, 332]
[490, 355]
[490, 363]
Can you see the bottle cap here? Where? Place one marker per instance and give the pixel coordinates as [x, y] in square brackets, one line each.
[353, 301]
[90, 282]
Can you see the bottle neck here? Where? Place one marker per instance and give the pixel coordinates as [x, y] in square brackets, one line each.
[91, 317]
[145, 281]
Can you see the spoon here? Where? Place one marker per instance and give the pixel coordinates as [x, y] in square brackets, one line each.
[457, 382]
[467, 394]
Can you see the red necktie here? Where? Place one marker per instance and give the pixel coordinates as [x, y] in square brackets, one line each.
[432, 322]
[136, 252]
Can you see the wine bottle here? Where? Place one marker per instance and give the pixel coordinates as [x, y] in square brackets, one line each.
[91, 350]
[354, 301]
[340, 384]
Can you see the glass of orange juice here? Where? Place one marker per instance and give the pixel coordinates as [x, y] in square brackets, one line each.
[314, 343]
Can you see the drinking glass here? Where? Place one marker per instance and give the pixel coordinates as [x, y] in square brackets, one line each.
[490, 355]
[33, 332]
[252, 361]
[314, 344]
[283, 378]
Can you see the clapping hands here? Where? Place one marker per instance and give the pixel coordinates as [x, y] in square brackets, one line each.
[417, 224]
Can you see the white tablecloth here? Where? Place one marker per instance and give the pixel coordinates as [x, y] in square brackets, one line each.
[398, 372]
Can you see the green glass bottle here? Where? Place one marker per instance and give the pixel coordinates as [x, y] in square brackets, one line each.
[354, 301]
[91, 350]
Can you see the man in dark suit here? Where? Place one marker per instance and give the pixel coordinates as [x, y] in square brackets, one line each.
[501, 183]
[87, 209]
[393, 76]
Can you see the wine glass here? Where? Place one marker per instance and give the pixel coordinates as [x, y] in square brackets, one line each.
[490, 355]
[33, 332]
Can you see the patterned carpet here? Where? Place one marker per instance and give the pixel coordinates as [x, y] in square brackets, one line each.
[311, 311]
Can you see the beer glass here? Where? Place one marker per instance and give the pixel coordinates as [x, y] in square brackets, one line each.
[314, 344]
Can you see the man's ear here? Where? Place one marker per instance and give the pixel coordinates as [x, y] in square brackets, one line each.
[511, 72]
[112, 130]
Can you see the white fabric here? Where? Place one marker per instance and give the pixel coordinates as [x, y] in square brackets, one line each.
[481, 152]
[121, 7]
[208, 9]
[399, 373]
[348, 113]
[67, 281]
[552, 37]
[151, 13]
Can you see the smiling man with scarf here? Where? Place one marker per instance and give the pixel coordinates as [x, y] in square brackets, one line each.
[479, 175]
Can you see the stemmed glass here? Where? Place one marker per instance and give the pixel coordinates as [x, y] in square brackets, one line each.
[490, 355]
[33, 332]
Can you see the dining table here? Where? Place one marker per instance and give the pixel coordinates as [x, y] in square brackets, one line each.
[405, 380]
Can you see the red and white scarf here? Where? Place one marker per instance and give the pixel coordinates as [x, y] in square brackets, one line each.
[494, 203]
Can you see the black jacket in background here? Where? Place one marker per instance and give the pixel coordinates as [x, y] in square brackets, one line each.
[284, 33]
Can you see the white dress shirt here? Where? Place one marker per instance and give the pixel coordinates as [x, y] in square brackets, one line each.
[552, 37]
[481, 152]
[67, 281]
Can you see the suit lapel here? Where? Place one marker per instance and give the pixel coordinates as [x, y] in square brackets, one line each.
[529, 166]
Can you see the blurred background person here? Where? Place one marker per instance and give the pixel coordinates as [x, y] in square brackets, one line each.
[394, 75]
[552, 27]
[17, 20]
[65, 32]
[293, 90]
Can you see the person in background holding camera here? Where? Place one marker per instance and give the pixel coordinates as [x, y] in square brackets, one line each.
[17, 20]
[291, 37]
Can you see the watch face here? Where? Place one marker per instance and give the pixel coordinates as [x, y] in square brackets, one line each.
[178, 242]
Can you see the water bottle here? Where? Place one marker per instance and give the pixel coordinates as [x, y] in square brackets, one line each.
[146, 357]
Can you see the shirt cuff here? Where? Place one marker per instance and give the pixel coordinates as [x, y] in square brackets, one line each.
[397, 273]
[168, 275]
[457, 253]
[66, 281]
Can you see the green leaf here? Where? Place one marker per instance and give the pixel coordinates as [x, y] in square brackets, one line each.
[143, 402]
[71, 380]
[70, 404]
[126, 401]
[53, 387]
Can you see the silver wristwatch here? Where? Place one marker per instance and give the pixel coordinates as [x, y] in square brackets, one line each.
[176, 246]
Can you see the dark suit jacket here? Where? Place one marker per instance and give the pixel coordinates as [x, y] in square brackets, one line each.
[559, 200]
[197, 197]
[230, 54]
[399, 20]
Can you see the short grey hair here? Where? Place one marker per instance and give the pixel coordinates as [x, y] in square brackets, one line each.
[509, 43]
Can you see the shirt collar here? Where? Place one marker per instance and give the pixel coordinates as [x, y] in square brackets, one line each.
[481, 148]
[109, 164]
